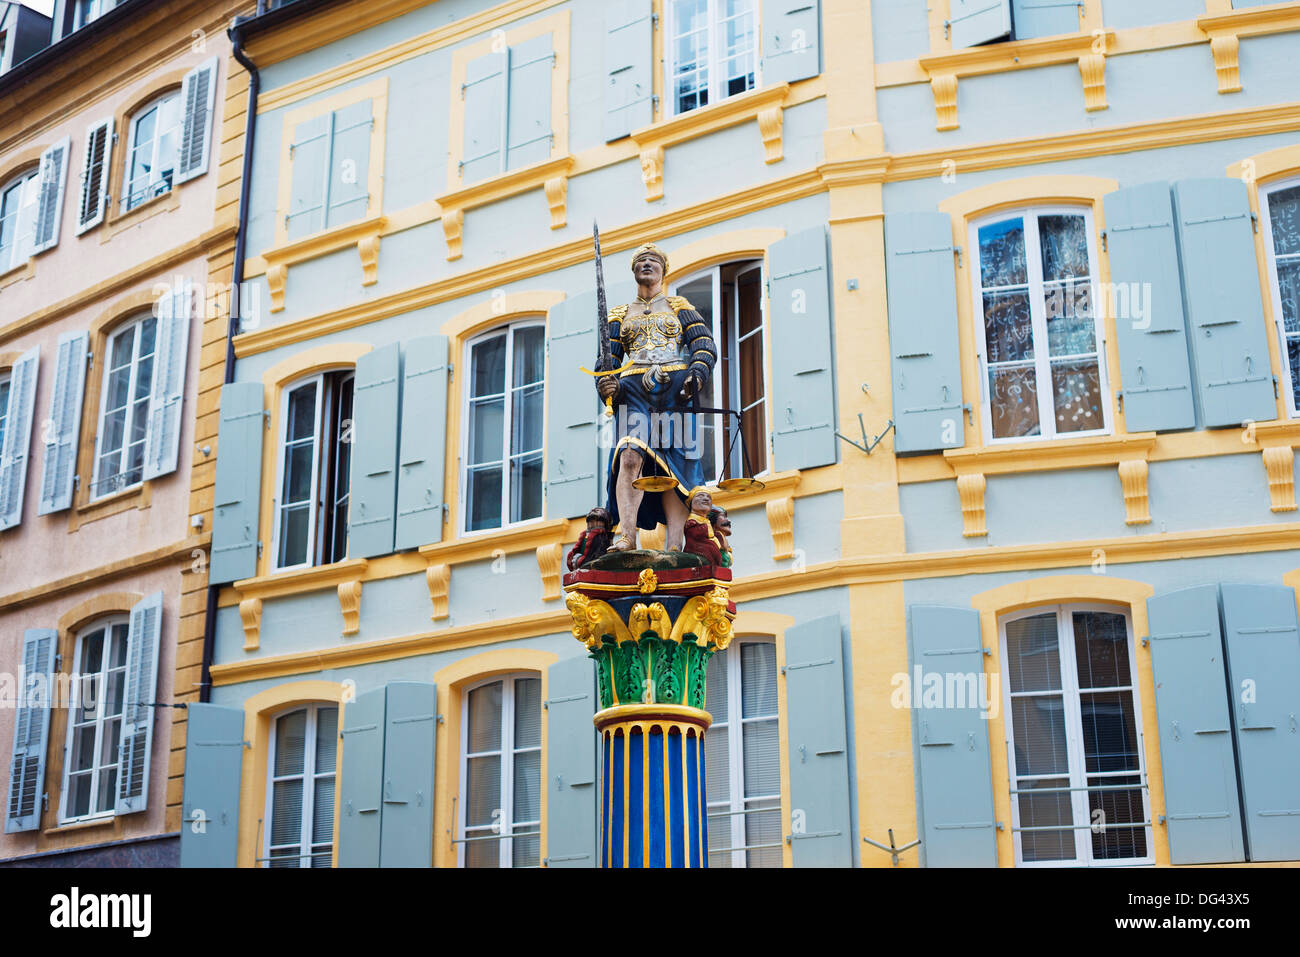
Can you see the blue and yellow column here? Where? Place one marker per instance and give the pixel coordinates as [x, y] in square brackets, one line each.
[651, 633]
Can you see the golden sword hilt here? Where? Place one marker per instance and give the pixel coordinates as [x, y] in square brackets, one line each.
[609, 400]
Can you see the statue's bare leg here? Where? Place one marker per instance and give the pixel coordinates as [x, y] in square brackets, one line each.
[628, 496]
[675, 511]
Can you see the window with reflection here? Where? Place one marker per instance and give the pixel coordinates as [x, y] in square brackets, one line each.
[95, 722]
[500, 773]
[18, 218]
[300, 792]
[154, 139]
[1039, 335]
[1074, 730]
[712, 51]
[124, 407]
[1280, 205]
[742, 756]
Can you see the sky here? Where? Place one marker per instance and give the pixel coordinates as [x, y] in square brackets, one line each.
[44, 6]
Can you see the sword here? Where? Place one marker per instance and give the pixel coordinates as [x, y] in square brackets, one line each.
[604, 355]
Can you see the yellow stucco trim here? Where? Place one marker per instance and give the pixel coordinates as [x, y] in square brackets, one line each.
[723, 248]
[1270, 165]
[1070, 589]
[105, 603]
[452, 681]
[259, 711]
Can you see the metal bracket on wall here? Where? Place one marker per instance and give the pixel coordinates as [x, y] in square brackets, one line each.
[892, 848]
[867, 444]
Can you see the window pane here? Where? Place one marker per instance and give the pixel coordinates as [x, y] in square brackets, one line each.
[1110, 741]
[298, 473]
[79, 794]
[1033, 654]
[1042, 810]
[762, 758]
[322, 828]
[485, 718]
[1071, 328]
[526, 419]
[302, 412]
[106, 796]
[286, 812]
[1117, 807]
[1008, 328]
[528, 776]
[290, 744]
[1002, 253]
[109, 742]
[763, 827]
[757, 678]
[1284, 216]
[327, 739]
[527, 849]
[483, 854]
[83, 748]
[1039, 722]
[1288, 285]
[717, 772]
[715, 685]
[483, 792]
[293, 535]
[530, 356]
[92, 652]
[484, 505]
[1076, 395]
[1064, 243]
[486, 430]
[285, 857]
[528, 713]
[1101, 647]
[489, 364]
[526, 488]
[1013, 396]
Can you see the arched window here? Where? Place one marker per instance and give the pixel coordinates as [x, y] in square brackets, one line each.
[154, 149]
[742, 756]
[1074, 737]
[18, 218]
[500, 773]
[502, 445]
[300, 787]
[95, 722]
[1280, 204]
[311, 513]
[124, 407]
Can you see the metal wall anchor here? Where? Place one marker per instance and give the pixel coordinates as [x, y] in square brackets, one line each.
[867, 444]
[893, 849]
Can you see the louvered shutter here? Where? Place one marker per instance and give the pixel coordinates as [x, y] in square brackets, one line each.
[1144, 269]
[629, 94]
[361, 783]
[214, 760]
[29, 205]
[791, 40]
[803, 382]
[484, 93]
[572, 409]
[162, 444]
[1044, 18]
[237, 495]
[94, 175]
[955, 776]
[1202, 811]
[18, 437]
[198, 94]
[53, 179]
[925, 354]
[373, 491]
[571, 763]
[528, 97]
[138, 705]
[971, 22]
[406, 831]
[61, 432]
[1264, 666]
[349, 174]
[422, 458]
[1221, 283]
[309, 156]
[820, 831]
[31, 731]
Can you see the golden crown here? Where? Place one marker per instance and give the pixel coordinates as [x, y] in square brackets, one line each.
[650, 249]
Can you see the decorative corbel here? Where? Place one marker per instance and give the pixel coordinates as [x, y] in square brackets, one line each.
[780, 519]
[350, 603]
[439, 579]
[771, 124]
[1279, 463]
[557, 193]
[368, 246]
[1092, 67]
[1224, 48]
[250, 612]
[1133, 480]
[453, 223]
[548, 562]
[652, 172]
[275, 279]
[944, 88]
[970, 488]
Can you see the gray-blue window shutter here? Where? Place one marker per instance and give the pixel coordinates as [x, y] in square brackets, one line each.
[1202, 810]
[198, 95]
[629, 95]
[1044, 18]
[31, 731]
[817, 744]
[978, 21]
[163, 443]
[238, 484]
[349, 174]
[60, 437]
[18, 437]
[803, 380]
[791, 40]
[1153, 361]
[529, 131]
[214, 761]
[571, 763]
[361, 785]
[956, 778]
[572, 409]
[309, 158]
[138, 705]
[411, 723]
[1264, 667]
[373, 493]
[925, 352]
[54, 176]
[1221, 283]
[484, 93]
[423, 454]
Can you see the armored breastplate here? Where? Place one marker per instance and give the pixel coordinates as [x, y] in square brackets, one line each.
[654, 337]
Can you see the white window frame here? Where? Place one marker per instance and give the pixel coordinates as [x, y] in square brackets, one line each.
[309, 774]
[94, 10]
[715, 60]
[9, 258]
[6, 380]
[100, 690]
[1077, 773]
[467, 397]
[1275, 286]
[504, 830]
[736, 753]
[155, 104]
[1038, 317]
[732, 401]
[133, 327]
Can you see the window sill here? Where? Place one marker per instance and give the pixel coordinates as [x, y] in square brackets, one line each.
[137, 496]
[346, 576]
[23, 271]
[105, 821]
[363, 234]
[552, 176]
[118, 221]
